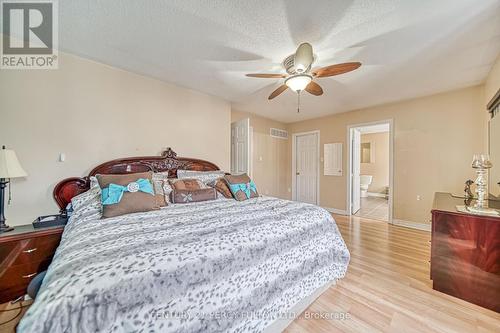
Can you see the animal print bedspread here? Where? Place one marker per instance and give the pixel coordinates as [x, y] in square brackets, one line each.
[219, 266]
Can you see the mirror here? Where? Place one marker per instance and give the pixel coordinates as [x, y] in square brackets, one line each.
[367, 152]
[494, 144]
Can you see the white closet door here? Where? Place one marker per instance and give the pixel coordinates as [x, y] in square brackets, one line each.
[240, 146]
[306, 168]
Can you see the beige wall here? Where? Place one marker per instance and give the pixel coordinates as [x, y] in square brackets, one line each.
[270, 156]
[435, 138]
[94, 113]
[379, 167]
[491, 86]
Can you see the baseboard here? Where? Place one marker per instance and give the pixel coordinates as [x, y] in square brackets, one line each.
[378, 195]
[413, 225]
[336, 211]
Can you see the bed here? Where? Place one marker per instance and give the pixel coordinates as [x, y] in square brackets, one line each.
[214, 266]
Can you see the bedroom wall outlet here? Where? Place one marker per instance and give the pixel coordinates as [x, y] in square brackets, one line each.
[62, 157]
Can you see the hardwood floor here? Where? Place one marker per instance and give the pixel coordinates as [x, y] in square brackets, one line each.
[10, 314]
[386, 289]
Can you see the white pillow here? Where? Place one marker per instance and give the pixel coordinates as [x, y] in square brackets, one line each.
[87, 203]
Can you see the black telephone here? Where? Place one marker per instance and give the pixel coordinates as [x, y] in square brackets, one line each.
[50, 221]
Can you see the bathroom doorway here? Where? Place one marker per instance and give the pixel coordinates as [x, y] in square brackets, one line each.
[370, 167]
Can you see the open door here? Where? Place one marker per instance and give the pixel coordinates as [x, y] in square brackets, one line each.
[355, 170]
[240, 146]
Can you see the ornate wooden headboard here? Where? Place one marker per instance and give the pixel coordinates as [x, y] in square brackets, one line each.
[66, 189]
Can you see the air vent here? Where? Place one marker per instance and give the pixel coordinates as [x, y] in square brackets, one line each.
[279, 133]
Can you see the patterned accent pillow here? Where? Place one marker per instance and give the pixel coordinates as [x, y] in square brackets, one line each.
[85, 198]
[134, 199]
[206, 177]
[159, 178]
[241, 186]
[187, 196]
[87, 203]
[167, 189]
[187, 184]
[221, 186]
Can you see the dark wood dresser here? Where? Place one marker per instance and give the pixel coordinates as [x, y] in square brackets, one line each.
[465, 253]
[25, 252]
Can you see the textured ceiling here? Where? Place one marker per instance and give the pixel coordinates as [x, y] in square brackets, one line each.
[408, 48]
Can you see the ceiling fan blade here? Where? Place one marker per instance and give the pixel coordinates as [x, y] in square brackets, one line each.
[267, 76]
[314, 89]
[278, 91]
[336, 69]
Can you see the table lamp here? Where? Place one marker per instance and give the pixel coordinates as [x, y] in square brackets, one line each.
[9, 168]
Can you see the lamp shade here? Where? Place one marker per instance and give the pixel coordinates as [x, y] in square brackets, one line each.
[9, 165]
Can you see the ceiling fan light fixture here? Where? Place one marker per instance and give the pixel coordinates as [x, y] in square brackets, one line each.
[298, 82]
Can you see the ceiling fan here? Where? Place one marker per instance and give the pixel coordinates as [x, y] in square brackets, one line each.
[300, 74]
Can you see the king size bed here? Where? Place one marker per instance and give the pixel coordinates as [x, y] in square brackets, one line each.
[213, 266]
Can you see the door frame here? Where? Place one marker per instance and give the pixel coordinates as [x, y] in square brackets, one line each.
[391, 164]
[294, 163]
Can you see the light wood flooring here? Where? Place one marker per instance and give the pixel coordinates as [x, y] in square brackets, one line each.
[386, 289]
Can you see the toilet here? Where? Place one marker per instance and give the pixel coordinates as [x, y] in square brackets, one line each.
[364, 182]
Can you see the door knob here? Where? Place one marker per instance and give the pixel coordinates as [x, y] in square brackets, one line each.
[297, 173]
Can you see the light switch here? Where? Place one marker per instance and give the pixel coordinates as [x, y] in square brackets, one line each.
[62, 157]
[260, 158]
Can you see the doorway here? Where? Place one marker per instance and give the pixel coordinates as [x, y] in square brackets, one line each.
[370, 167]
[305, 167]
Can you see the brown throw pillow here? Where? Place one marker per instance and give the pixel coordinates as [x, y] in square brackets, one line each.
[241, 186]
[187, 184]
[187, 196]
[131, 202]
[221, 186]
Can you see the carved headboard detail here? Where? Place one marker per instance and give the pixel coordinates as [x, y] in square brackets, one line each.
[66, 189]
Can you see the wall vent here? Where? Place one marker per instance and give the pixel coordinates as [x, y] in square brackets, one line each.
[279, 133]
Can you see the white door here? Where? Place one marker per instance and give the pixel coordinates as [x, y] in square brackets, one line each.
[355, 166]
[240, 146]
[306, 168]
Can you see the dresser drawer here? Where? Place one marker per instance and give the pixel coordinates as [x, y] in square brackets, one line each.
[28, 250]
[22, 274]
[15, 280]
[24, 253]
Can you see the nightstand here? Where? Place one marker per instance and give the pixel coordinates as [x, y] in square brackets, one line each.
[25, 252]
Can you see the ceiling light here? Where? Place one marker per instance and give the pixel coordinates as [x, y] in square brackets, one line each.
[298, 82]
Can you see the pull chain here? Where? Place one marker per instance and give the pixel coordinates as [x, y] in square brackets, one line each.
[10, 194]
[298, 101]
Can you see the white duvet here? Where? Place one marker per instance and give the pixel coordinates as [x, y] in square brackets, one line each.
[218, 266]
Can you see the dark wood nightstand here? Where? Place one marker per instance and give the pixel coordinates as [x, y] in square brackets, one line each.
[25, 252]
